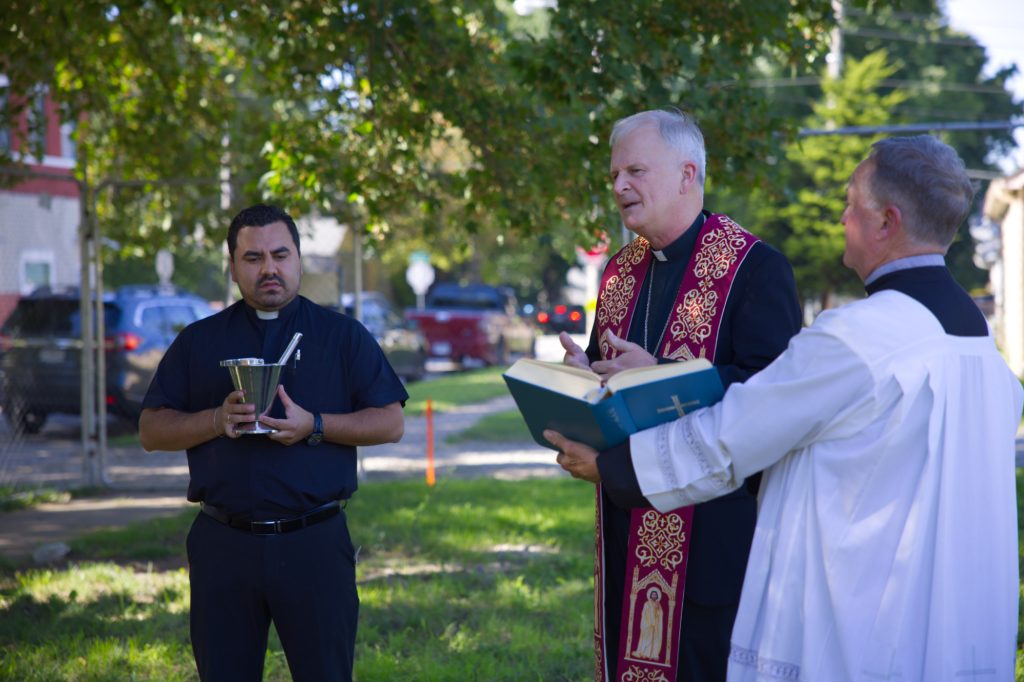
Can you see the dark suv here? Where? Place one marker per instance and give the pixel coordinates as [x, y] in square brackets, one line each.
[562, 318]
[41, 348]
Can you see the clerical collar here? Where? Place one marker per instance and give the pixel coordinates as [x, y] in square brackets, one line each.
[922, 261]
[280, 314]
[682, 247]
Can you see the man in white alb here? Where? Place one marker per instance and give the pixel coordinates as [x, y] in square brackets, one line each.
[886, 541]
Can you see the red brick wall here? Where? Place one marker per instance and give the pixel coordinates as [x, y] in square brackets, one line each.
[7, 304]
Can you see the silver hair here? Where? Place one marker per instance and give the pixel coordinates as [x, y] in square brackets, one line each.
[679, 131]
[927, 180]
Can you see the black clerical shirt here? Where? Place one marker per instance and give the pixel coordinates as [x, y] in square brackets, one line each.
[760, 315]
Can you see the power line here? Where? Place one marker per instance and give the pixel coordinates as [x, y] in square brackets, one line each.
[942, 85]
[807, 81]
[919, 38]
[899, 16]
[912, 128]
[943, 19]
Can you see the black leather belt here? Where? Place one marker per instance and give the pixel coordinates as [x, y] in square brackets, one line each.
[310, 518]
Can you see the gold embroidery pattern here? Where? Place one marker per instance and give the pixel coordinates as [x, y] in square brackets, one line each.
[660, 540]
[636, 674]
[633, 253]
[615, 298]
[693, 318]
[618, 290]
[683, 352]
[718, 250]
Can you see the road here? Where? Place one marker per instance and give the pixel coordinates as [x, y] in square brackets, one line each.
[153, 484]
[53, 457]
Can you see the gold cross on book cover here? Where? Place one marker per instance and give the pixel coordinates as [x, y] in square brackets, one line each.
[574, 402]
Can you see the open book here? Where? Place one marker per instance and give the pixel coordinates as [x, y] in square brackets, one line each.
[572, 401]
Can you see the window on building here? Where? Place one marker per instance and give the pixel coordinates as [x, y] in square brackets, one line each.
[37, 124]
[5, 133]
[36, 270]
[67, 140]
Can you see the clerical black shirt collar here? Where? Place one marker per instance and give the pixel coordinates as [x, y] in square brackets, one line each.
[682, 247]
[927, 280]
[283, 314]
[925, 260]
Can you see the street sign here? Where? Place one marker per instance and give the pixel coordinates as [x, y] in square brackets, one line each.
[164, 266]
[419, 274]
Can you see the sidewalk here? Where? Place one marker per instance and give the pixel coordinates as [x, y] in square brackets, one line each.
[145, 485]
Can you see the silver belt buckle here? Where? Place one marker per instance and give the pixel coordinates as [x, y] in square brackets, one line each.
[265, 527]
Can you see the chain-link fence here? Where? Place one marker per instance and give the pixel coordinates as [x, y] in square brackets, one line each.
[40, 251]
[56, 416]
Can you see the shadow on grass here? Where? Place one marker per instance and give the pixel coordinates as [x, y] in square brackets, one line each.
[525, 619]
[126, 626]
[468, 580]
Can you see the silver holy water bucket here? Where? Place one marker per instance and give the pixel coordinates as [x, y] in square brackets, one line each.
[259, 382]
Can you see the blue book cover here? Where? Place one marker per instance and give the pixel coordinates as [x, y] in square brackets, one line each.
[573, 402]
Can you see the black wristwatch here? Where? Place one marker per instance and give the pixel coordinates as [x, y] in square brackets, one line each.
[318, 430]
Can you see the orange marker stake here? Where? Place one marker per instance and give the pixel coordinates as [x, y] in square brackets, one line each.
[430, 444]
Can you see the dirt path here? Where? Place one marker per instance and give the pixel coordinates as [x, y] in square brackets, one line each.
[145, 485]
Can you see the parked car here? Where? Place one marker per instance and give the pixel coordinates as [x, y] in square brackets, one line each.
[403, 343]
[562, 318]
[41, 348]
[475, 323]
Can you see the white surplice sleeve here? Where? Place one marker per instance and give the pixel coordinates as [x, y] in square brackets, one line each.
[818, 388]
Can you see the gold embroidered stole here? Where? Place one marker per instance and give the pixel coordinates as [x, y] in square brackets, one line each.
[658, 550]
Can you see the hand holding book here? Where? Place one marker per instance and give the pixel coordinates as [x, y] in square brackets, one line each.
[573, 402]
[579, 459]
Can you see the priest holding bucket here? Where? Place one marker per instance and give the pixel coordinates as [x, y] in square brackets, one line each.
[271, 542]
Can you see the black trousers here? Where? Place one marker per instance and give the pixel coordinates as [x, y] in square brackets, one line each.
[705, 632]
[303, 581]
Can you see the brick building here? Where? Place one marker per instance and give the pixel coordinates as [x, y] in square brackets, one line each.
[39, 214]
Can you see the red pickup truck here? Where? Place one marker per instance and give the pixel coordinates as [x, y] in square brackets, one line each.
[473, 323]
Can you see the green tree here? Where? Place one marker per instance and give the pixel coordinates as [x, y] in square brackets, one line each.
[807, 224]
[416, 121]
[940, 76]
[155, 90]
[942, 73]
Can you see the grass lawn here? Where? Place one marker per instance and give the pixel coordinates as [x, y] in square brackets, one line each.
[14, 497]
[468, 580]
[499, 427]
[454, 389]
[464, 388]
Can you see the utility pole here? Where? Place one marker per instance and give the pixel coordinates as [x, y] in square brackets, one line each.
[835, 58]
[835, 55]
[226, 199]
[93, 411]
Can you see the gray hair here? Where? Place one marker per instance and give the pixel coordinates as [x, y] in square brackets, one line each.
[679, 131]
[926, 179]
